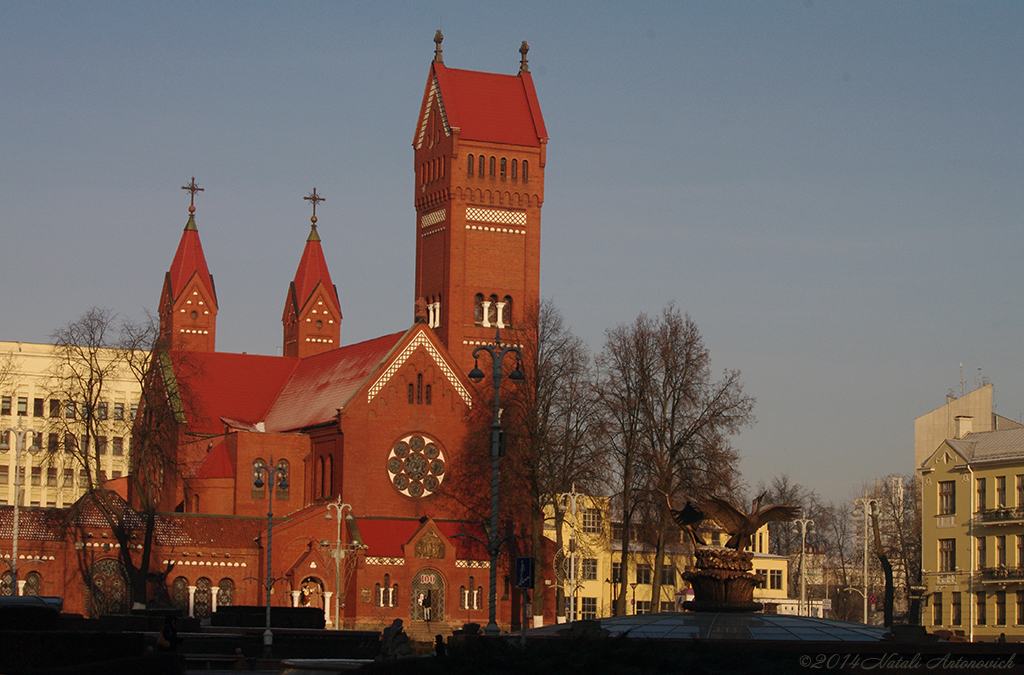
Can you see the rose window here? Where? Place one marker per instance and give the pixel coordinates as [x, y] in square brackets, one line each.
[416, 466]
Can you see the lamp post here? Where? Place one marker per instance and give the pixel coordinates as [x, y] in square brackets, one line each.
[282, 484]
[339, 552]
[633, 586]
[19, 445]
[864, 504]
[803, 523]
[572, 497]
[497, 352]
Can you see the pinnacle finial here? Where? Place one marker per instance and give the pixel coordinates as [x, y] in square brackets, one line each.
[193, 188]
[438, 39]
[315, 199]
[523, 66]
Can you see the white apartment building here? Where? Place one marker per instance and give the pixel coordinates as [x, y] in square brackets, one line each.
[35, 395]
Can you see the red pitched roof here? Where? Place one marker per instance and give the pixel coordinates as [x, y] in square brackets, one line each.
[216, 464]
[384, 537]
[312, 270]
[189, 261]
[237, 386]
[489, 106]
[325, 382]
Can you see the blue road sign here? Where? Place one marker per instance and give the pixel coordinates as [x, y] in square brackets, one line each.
[524, 572]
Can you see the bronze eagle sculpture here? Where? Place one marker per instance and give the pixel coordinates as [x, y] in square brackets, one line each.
[742, 526]
[687, 518]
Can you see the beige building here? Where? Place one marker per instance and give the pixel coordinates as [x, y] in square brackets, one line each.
[598, 572]
[972, 536]
[37, 394]
[974, 409]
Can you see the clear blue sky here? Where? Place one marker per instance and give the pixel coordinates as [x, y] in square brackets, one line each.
[832, 190]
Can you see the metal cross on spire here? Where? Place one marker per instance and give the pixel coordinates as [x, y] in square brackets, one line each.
[315, 199]
[193, 188]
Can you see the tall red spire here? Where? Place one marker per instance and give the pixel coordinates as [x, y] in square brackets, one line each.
[188, 302]
[312, 311]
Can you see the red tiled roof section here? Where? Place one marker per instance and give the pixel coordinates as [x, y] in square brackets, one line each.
[214, 532]
[237, 386]
[312, 270]
[384, 537]
[216, 464]
[325, 382]
[189, 260]
[491, 107]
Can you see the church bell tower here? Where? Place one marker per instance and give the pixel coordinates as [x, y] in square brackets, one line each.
[479, 156]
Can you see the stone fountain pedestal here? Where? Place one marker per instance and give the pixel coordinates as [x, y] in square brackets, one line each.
[723, 582]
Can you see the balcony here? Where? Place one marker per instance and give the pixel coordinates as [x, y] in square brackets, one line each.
[1002, 516]
[1002, 574]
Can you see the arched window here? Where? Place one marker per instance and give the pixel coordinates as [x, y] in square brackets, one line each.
[463, 598]
[481, 172]
[506, 311]
[478, 309]
[443, 165]
[6, 584]
[492, 311]
[378, 595]
[492, 166]
[33, 584]
[513, 169]
[202, 605]
[179, 593]
[330, 475]
[469, 165]
[419, 389]
[412, 395]
[526, 170]
[226, 596]
[426, 395]
[320, 477]
[503, 162]
[258, 465]
[283, 478]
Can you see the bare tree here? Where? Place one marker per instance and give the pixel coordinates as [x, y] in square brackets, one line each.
[672, 424]
[550, 421]
[688, 419]
[93, 353]
[622, 365]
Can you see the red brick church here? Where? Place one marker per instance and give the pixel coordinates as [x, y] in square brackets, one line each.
[375, 432]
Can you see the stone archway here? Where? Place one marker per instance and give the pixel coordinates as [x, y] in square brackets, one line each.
[428, 584]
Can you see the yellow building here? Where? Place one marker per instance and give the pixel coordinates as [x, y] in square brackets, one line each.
[936, 426]
[972, 539]
[37, 395]
[590, 565]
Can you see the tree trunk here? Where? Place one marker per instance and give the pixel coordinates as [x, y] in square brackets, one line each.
[887, 569]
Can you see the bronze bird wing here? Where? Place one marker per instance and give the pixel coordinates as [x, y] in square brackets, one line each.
[728, 516]
[777, 512]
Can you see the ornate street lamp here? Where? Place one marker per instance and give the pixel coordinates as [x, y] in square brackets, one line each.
[803, 523]
[497, 352]
[339, 550]
[865, 505]
[19, 445]
[571, 498]
[282, 484]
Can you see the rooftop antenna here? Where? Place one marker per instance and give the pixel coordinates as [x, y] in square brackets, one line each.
[961, 378]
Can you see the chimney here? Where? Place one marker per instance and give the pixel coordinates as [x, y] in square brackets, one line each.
[962, 426]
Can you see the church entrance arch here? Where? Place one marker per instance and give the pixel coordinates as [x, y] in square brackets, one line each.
[311, 593]
[428, 596]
